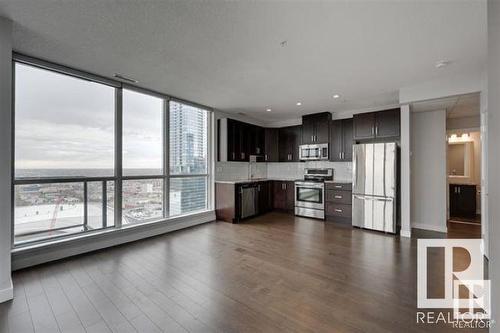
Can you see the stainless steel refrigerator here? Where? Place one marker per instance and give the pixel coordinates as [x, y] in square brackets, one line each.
[374, 184]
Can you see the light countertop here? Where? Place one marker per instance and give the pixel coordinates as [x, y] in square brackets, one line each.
[339, 181]
[255, 180]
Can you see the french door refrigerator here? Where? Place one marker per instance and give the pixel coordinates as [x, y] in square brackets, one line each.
[374, 186]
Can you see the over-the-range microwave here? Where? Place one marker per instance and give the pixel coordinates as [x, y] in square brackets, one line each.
[313, 152]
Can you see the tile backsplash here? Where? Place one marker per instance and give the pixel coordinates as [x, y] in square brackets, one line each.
[342, 170]
[282, 170]
[239, 170]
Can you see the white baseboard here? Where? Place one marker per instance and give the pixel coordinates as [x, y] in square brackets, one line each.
[7, 294]
[405, 233]
[430, 227]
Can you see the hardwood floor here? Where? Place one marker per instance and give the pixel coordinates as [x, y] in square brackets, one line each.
[273, 273]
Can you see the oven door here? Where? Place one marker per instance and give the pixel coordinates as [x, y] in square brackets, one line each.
[309, 195]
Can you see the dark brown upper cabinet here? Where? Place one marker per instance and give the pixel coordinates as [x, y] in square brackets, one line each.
[256, 137]
[341, 140]
[387, 123]
[376, 125]
[238, 140]
[271, 151]
[315, 128]
[289, 140]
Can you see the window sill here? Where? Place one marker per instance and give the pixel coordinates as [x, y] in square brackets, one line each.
[34, 254]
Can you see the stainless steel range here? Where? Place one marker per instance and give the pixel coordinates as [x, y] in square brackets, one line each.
[310, 193]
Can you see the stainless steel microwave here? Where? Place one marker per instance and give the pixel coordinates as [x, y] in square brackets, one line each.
[313, 152]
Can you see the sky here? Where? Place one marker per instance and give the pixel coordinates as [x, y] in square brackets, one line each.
[62, 122]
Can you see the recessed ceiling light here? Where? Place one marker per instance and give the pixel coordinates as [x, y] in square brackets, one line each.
[442, 63]
[299, 103]
[268, 110]
[336, 96]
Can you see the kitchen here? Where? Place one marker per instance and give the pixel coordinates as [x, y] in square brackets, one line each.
[307, 170]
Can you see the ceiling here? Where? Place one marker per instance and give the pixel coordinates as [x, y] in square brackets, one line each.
[456, 106]
[229, 54]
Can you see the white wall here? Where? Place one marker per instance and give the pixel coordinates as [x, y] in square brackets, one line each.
[428, 170]
[5, 152]
[405, 171]
[473, 122]
[493, 155]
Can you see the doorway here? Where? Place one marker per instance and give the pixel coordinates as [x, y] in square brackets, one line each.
[464, 166]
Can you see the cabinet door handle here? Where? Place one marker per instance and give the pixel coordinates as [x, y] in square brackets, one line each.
[312, 138]
[258, 150]
[340, 155]
[338, 197]
[338, 210]
[234, 156]
[338, 186]
[459, 190]
[373, 130]
[265, 157]
[376, 130]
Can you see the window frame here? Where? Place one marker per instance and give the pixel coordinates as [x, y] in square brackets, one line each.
[118, 176]
[210, 155]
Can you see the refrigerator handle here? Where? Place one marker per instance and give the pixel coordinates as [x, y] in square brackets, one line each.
[354, 167]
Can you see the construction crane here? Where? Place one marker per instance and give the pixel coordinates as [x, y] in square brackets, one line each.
[54, 215]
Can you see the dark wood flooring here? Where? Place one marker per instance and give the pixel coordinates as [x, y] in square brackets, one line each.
[274, 273]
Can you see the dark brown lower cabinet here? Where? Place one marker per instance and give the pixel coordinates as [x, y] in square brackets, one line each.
[265, 196]
[462, 200]
[284, 195]
[338, 210]
[338, 202]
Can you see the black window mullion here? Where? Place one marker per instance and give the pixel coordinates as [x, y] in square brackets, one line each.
[118, 156]
[166, 157]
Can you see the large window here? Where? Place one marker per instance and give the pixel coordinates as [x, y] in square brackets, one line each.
[63, 125]
[188, 158]
[142, 134]
[69, 176]
[64, 130]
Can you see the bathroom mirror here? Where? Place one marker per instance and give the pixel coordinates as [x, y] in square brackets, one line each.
[460, 159]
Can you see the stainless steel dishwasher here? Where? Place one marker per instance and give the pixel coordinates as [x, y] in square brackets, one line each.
[248, 201]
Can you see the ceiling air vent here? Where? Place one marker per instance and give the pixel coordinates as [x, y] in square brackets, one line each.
[125, 78]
